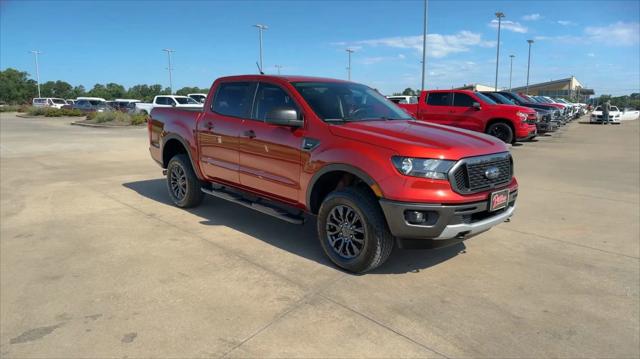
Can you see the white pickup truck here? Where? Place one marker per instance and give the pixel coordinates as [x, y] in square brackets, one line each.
[167, 101]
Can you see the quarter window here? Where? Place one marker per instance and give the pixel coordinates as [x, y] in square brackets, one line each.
[234, 99]
[439, 99]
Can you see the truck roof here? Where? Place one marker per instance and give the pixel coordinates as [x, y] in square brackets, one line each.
[288, 78]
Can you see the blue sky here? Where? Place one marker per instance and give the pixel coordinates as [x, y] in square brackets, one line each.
[121, 41]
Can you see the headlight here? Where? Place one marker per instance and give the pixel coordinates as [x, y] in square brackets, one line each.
[422, 167]
[522, 115]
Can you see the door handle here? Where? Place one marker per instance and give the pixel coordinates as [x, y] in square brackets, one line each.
[249, 134]
[209, 125]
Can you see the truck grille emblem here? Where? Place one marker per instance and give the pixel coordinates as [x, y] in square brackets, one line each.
[492, 173]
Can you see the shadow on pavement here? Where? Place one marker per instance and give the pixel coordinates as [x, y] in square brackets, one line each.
[299, 240]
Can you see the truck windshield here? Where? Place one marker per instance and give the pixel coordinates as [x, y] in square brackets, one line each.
[503, 99]
[521, 98]
[486, 98]
[186, 101]
[345, 101]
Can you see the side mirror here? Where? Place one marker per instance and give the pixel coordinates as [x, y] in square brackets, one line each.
[476, 105]
[284, 116]
[173, 104]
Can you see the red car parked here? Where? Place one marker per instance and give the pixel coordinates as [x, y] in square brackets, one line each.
[475, 111]
[290, 145]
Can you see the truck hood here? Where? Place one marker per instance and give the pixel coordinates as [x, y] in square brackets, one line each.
[420, 139]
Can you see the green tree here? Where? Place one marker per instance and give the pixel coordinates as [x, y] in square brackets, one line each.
[408, 92]
[16, 87]
[187, 90]
[115, 91]
[58, 89]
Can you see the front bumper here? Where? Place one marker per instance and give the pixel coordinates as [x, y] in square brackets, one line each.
[524, 135]
[445, 224]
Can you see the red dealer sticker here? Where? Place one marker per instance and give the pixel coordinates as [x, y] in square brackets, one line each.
[498, 200]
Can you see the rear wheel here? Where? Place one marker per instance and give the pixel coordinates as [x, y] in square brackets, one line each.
[182, 183]
[501, 131]
[353, 231]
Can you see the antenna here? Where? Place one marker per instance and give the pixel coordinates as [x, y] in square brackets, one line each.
[259, 69]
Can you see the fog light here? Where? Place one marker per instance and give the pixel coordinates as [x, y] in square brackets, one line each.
[415, 217]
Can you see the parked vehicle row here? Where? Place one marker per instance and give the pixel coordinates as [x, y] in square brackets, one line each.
[371, 173]
[508, 116]
[98, 104]
[167, 101]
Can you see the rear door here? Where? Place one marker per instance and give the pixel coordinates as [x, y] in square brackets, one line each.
[437, 108]
[270, 154]
[219, 130]
[463, 114]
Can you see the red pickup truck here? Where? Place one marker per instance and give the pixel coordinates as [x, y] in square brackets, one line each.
[290, 145]
[475, 111]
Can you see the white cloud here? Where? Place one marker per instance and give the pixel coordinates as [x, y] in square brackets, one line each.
[509, 25]
[437, 45]
[566, 22]
[532, 17]
[620, 33]
[591, 54]
[376, 59]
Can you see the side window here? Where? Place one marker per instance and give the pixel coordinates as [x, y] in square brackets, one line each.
[462, 100]
[170, 101]
[268, 98]
[161, 101]
[439, 99]
[234, 99]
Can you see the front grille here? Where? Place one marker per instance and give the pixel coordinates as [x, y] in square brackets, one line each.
[469, 174]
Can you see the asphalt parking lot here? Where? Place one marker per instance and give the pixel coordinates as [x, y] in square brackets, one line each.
[95, 262]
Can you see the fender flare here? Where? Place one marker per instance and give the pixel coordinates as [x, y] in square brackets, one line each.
[173, 136]
[336, 167]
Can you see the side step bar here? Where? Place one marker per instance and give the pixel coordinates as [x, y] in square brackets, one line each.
[259, 205]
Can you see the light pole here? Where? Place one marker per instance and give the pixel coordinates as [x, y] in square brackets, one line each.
[36, 53]
[349, 51]
[424, 42]
[499, 15]
[278, 67]
[261, 28]
[528, 65]
[511, 71]
[169, 51]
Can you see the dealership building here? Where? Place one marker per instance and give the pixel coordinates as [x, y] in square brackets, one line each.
[569, 88]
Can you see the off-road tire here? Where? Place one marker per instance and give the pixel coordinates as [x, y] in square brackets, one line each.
[378, 241]
[179, 170]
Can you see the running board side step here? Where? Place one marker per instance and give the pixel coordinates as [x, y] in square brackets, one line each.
[256, 206]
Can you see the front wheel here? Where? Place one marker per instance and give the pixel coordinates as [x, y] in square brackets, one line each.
[352, 230]
[182, 182]
[501, 131]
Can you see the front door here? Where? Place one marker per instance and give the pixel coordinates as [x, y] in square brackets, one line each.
[270, 154]
[219, 131]
[463, 113]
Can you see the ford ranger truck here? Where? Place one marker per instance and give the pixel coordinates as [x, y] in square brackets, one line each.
[297, 147]
[474, 111]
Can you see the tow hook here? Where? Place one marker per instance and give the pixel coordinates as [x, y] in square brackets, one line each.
[164, 172]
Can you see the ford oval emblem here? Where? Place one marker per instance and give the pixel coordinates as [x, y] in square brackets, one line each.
[492, 173]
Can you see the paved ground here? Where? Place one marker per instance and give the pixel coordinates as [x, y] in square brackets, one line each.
[94, 262]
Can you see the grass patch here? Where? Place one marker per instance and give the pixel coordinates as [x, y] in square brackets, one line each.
[116, 118]
[53, 112]
[15, 108]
